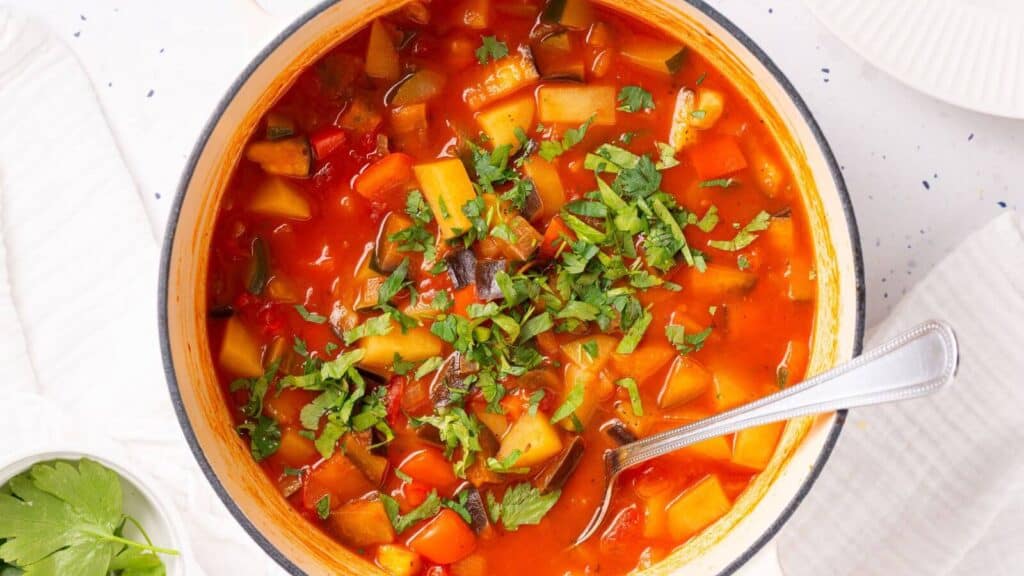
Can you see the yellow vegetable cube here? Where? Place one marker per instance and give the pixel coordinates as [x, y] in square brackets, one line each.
[697, 508]
[548, 185]
[240, 351]
[398, 560]
[534, 437]
[717, 449]
[447, 188]
[414, 345]
[576, 351]
[653, 54]
[276, 196]
[576, 104]
[753, 448]
[501, 120]
[718, 280]
[708, 109]
[381, 55]
[686, 380]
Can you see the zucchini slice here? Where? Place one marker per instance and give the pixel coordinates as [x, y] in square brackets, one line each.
[290, 157]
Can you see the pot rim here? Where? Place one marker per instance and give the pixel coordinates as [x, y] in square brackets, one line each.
[175, 212]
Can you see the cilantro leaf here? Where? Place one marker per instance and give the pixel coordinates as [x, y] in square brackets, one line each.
[429, 365]
[323, 506]
[551, 149]
[264, 437]
[257, 388]
[376, 326]
[64, 515]
[635, 333]
[635, 99]
[683, 342]
[573, 401]
[507, 465]
[309, 316]
[402, 522]
[745, 237]
[491, 49]
[522, 504]
[717, 183]
[634, 395]
[457, 429]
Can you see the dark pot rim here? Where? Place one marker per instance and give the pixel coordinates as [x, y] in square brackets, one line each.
[175, 212]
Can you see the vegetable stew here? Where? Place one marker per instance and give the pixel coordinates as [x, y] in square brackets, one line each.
[477, 244]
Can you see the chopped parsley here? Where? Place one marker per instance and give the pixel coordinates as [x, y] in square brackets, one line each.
[717, 183]
[742, 262]
[491, 49]
[458, 431]
[309, 316]
[686, 343]
[522, 504]
[323, 506]
[630, 386]
[745, 236]
[551, 149]
[635, 99]
[507, 465]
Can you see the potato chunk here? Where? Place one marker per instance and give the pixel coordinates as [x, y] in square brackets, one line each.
[697, 508]
[535, 439]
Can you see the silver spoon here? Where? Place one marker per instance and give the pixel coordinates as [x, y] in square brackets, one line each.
[916, 363]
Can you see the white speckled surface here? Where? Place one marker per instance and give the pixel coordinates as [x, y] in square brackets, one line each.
[922, 173]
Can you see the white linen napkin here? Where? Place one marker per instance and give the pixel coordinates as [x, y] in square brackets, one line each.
[78, 284]
[934, 486]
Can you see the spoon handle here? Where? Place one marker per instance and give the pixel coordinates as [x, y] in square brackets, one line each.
[913, 364]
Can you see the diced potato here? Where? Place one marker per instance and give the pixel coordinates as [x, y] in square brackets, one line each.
[362, 523]
[336, 477]
[802, 284]
[289, 157]
[534, 437]
[275, 196]
[731, 389]
[415, 345]
[597, 388]
[708, 109]
[718, 280]
[447, 188]
[381, 55]
[286, 405]
[768, 175]
[548, 185]
[753, 448]
[780, 234]
[686, 381]
[656, 55]
[576, 104]
[496, 423]
[697, 508]
[475, 14]
[576, 351]
[575, 14]
[645, 361]
[717, 449]
[372, 466]
[501, 120]
[656, 516]
[420, 86]
[501, 78]
[398, 560]
[682, 133]
[296, 450]
[368, 295]
[240, 351]
[526, 240]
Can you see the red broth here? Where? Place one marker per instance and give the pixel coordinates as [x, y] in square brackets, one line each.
[337, 225]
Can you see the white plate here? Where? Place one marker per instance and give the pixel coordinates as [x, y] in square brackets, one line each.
[966, 52]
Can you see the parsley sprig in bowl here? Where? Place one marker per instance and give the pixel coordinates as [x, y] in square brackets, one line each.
[76, 516]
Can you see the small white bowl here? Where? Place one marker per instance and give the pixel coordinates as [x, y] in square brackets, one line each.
[160, 520]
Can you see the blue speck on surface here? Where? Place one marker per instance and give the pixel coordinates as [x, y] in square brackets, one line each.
[161, 50]
[771, 10]
[926, 185]
[110, 84]
[78, 33]
[150, 93]
[971, 137]
[1001, 204]
[82, 16]
[157, 195]
[826, 70]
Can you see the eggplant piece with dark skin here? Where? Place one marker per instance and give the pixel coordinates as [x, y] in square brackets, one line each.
[478, 473]
[477, 510]
[558, 472]
[449, 384]
[386, 255]
[462, 268]
[532, 205]
[487, 288]
[224, 311]
[618, 432]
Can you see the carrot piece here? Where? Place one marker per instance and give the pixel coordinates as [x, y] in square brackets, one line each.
[717, 157]
[384, 177]
[547, 342]
[327, 140]
[445, 539]
[463, 298]
[554, 236]
[430, 467]
[336, 477]
[514, 406]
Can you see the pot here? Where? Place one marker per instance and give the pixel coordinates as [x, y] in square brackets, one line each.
[837, 334]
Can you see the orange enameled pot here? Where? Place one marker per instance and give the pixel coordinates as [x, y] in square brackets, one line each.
[838, 327]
